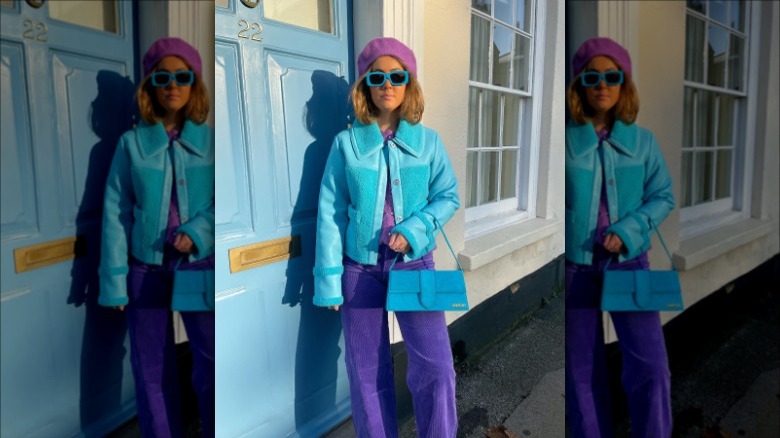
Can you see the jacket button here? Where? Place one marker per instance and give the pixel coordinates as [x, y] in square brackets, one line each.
[396, 182]
[181, 182]
[399, 218]
[611, 181]
[392, 145]
[614, 218]
[184, 218]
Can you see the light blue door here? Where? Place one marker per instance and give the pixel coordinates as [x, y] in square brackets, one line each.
[66, 72]
[282, 70]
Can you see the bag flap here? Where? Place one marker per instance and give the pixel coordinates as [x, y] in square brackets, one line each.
[427, 288]
[642, 288]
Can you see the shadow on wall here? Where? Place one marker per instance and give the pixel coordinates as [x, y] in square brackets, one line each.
[319, 331]
[103, 350]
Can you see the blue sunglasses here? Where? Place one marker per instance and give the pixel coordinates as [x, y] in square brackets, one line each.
[593, 78]
[396, 78]
[164, 78]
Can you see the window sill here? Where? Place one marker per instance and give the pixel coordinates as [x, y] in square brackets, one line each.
[697, 250]
[486, 248]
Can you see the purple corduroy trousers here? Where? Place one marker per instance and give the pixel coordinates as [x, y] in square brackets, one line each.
[431, 374]
[153, 356]
[645, 377]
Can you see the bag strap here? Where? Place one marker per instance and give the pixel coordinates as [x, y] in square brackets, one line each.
[661, 238]
[436, 222]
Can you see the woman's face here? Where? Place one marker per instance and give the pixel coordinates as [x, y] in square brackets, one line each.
[387, 97]
[172, 97]
[602, 97]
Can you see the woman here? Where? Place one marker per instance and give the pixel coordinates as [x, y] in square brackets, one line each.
[617, 189]
[388, 185]
[159, 214]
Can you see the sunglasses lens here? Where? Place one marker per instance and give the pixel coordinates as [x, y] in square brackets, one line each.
[161, 79]
[399, 77]
[375, 79]
[184, 77]
[590, 79]
[613, 78]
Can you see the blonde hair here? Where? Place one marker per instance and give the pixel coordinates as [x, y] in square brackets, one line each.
[625, 110]
[411, 108]
[196, 109]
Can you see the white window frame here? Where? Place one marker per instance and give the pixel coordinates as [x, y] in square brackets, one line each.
[482, 219]
[700, 218]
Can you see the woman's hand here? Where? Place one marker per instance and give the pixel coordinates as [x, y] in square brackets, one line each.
[398, 243]
[120, 308]
[183, 243]
[613, 243]
[336, 308]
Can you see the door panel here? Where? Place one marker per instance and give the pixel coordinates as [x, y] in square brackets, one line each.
[65, 364]
[281, 98]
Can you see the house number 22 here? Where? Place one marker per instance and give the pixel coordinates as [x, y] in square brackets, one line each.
[31, 28]
[247, 27]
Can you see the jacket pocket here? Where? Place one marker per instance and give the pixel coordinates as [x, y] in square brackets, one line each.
[630, 188]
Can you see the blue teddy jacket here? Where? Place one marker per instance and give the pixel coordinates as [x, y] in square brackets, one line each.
[352, 196]
[138, 196]
[639, 188]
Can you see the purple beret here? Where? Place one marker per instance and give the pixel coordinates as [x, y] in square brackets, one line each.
[600, 47]
[384, 47]
[171, 47]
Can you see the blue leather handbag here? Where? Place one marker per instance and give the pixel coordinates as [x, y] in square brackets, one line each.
[193, 291]
[642, 290]
[427, 290]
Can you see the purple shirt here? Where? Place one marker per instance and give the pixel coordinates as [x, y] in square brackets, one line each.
[388, 217]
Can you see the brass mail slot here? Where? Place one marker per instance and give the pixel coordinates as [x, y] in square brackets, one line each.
[44, 254]
[264, 253]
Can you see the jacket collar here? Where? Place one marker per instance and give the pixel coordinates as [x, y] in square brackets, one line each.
[366, 139]
[154, 139]
[583, 139]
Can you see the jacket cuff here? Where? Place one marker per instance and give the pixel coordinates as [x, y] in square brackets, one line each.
[198, 230]
[113, 286]
[327, 286]
[633, 233]
[418, 241]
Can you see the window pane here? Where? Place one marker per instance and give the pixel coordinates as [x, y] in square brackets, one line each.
[491, 118]
[705, 112]
[482, 5]
[488, 183]
[736, 61]
[508, 173]
[222, 3]
[502, 55]
[521, 61]
[723, 182]
[100, 15]
[687, 174]
[523, 14]
[473, 117]
[703, 181]
[480, 48]
[726, 121]
[697, 5]
[7, 3]
[688, 118]
[738, 15]
[503, 10]
[311, 14]
[716, 56]
[694, 44]
[511, 120]
[718, 11]
[471, 179]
